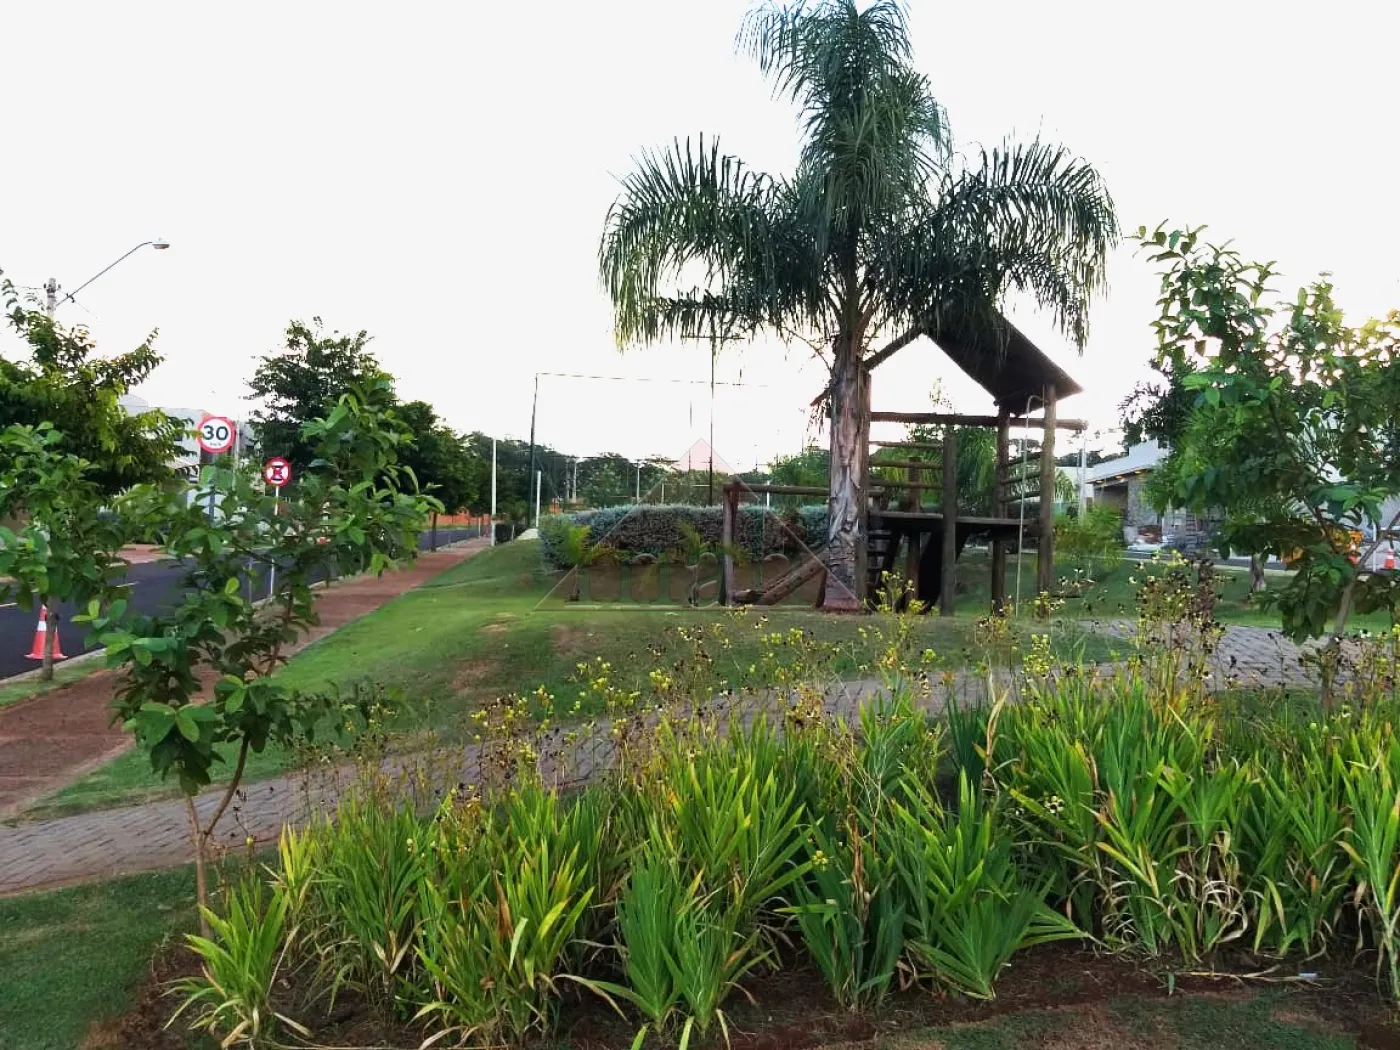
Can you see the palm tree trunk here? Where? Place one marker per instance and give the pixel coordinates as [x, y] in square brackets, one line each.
[846, 502]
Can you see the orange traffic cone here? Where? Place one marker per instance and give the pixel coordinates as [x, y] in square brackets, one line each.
[1390, 558]
[37, 651]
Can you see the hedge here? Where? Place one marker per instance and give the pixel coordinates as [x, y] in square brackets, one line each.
[653, 529]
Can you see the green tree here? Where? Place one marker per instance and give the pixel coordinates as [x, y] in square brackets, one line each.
[609, 480]
[442, 461]
[67, 549]
[1293, 429]
[347, 513]
[304, 382]
[879, 237]
[810, 468]
[65, 385]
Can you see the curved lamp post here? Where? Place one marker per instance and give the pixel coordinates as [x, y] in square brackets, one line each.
[51, 300]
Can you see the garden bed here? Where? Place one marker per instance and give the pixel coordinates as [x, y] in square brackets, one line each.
[1049, 989]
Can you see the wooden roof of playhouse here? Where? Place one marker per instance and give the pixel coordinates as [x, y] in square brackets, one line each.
[1003, 362]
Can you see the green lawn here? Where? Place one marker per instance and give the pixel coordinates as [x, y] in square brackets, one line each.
[1262, 1021]
[496, 624]
[1112, 596]
[73, 957]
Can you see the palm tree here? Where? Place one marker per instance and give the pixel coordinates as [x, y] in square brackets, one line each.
[879, 237]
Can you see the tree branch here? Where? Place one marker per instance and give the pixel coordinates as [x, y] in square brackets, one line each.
[879, 357]
[208, 832]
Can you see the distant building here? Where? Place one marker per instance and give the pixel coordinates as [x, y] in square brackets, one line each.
[190, 458]
[700, 456]
[1121, 483]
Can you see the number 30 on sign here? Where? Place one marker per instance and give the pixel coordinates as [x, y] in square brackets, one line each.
[215, 434]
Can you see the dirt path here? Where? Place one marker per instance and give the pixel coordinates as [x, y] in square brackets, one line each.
[50, 741]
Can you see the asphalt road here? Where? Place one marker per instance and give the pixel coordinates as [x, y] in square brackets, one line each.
[155, 587]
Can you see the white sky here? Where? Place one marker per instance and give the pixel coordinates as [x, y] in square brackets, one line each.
[439, 174]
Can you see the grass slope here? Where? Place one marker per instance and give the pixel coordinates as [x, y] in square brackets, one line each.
[493, 624]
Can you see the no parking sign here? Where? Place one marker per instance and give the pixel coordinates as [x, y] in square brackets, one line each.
[277, 472]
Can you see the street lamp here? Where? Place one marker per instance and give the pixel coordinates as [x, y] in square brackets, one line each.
[51, 300]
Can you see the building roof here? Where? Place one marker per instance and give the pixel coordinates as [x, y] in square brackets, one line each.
[1002, 361]
[699, 457]
[1139, 459]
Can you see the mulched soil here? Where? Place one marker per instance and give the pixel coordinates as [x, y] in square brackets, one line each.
[50, 741]
[790, 1009]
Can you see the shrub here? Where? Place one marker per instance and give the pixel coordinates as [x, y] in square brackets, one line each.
[657, 530]
[1090, 543]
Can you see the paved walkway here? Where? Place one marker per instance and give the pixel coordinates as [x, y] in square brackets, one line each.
[56, 737]
[52, 853]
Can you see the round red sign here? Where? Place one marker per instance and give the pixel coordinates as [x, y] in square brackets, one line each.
[277, 472]
[215, 434]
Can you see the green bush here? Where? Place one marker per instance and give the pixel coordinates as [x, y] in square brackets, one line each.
[658, 530]
[1090, 543]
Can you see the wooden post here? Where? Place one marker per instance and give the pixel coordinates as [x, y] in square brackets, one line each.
[999, 503]
[1045, 554]
[913, 501]
[950, 521]
[728, 530]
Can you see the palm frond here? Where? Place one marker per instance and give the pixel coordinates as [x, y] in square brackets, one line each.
[1027, 218]
[696, 206]
[873, 132]
[1048, 214]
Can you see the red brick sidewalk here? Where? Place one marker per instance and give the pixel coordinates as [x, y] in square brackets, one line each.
[50, 741]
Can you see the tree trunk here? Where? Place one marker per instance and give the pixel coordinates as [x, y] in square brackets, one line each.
[846, 510]
[1257, 582]
[201, 878]
[50, 643]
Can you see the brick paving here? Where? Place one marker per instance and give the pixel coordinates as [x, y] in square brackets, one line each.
[50, 853]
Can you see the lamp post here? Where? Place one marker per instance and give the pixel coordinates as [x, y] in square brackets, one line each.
[51, 299]
[51, 305]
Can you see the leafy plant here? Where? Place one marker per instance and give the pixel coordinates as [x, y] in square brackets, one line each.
[372, 865]
[240, 961]
[968, 909]
[347, 514]
[1291, 422]
[492, 945]
[681, 949]
[850, 916]
[68, 549]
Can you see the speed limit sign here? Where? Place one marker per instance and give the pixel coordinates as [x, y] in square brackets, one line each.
[277, 472]
[215, 434]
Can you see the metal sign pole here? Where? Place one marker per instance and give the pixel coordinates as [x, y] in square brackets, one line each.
[272, 570]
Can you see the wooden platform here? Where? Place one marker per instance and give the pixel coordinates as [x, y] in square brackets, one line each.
[906, 521]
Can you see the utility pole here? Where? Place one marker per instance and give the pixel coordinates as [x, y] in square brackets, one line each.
[51, 297]
[534, 406]
[1083, 473]
[710, 499]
